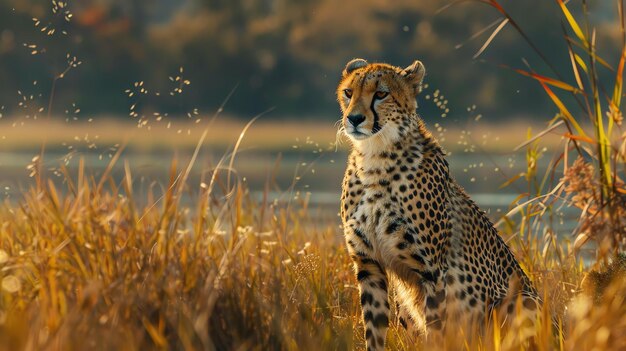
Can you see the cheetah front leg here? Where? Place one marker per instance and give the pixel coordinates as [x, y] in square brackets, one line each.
[426, 266]
[435, 311]
[374, 301]
[406, 320]
[372, 279]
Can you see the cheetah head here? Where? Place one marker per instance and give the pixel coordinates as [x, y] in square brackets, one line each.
[376, 99]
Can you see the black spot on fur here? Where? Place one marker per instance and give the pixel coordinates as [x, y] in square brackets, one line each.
[429, 276]
[431, 302]
[381, 320]
[366, 298]
[362, 275]
[392, 227]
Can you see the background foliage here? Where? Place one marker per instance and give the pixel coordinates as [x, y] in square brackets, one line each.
[283, 54]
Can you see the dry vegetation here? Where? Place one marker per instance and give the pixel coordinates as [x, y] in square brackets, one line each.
[83, 268]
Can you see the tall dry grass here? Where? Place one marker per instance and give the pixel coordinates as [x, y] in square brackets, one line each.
[586, 173]
[592, 158]
[82, 266]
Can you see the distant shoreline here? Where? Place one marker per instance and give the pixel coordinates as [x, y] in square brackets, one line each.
[21, 134]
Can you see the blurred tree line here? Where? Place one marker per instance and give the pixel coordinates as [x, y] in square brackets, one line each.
[278, 53]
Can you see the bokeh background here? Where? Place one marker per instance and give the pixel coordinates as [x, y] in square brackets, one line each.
[85, 78]
[279, 53]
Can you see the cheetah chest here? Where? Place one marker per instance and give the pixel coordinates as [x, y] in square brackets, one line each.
[374, 214]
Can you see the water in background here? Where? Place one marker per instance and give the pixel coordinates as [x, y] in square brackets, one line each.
[286, 176]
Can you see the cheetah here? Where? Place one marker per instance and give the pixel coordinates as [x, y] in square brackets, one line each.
[408, 224]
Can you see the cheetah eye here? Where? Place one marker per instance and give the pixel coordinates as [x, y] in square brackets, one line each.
[348, 93]
[381, 95]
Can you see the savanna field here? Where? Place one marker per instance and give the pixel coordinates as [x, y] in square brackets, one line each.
[195, 230]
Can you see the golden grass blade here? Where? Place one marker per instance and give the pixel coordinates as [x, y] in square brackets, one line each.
[181, 179]
[539, 135]
[512, 180]
[548, 80]
[521, 206]
[81, 172]
[479, 33]
[575, 68]
[128, 188]
[128, 180]
[563, 109]
[603, 141]
[599, 59]
[617, 90]
[581, 63]
[109, 168]
[166, 193]
[54, 196]
[61, 246]
[572, 22]
[579, 137]
[222, 105]
[491, 37]
[241, 135]
[622, 18]
[495, 4]
[619, 78]
[193, 159]
[154, 333]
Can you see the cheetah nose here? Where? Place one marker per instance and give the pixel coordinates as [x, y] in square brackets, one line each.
[355, 120]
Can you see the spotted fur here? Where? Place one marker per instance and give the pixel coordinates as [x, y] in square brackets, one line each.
[408, 223]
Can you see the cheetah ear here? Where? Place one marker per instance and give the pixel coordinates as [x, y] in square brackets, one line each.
[354, 64]
[415, 75]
